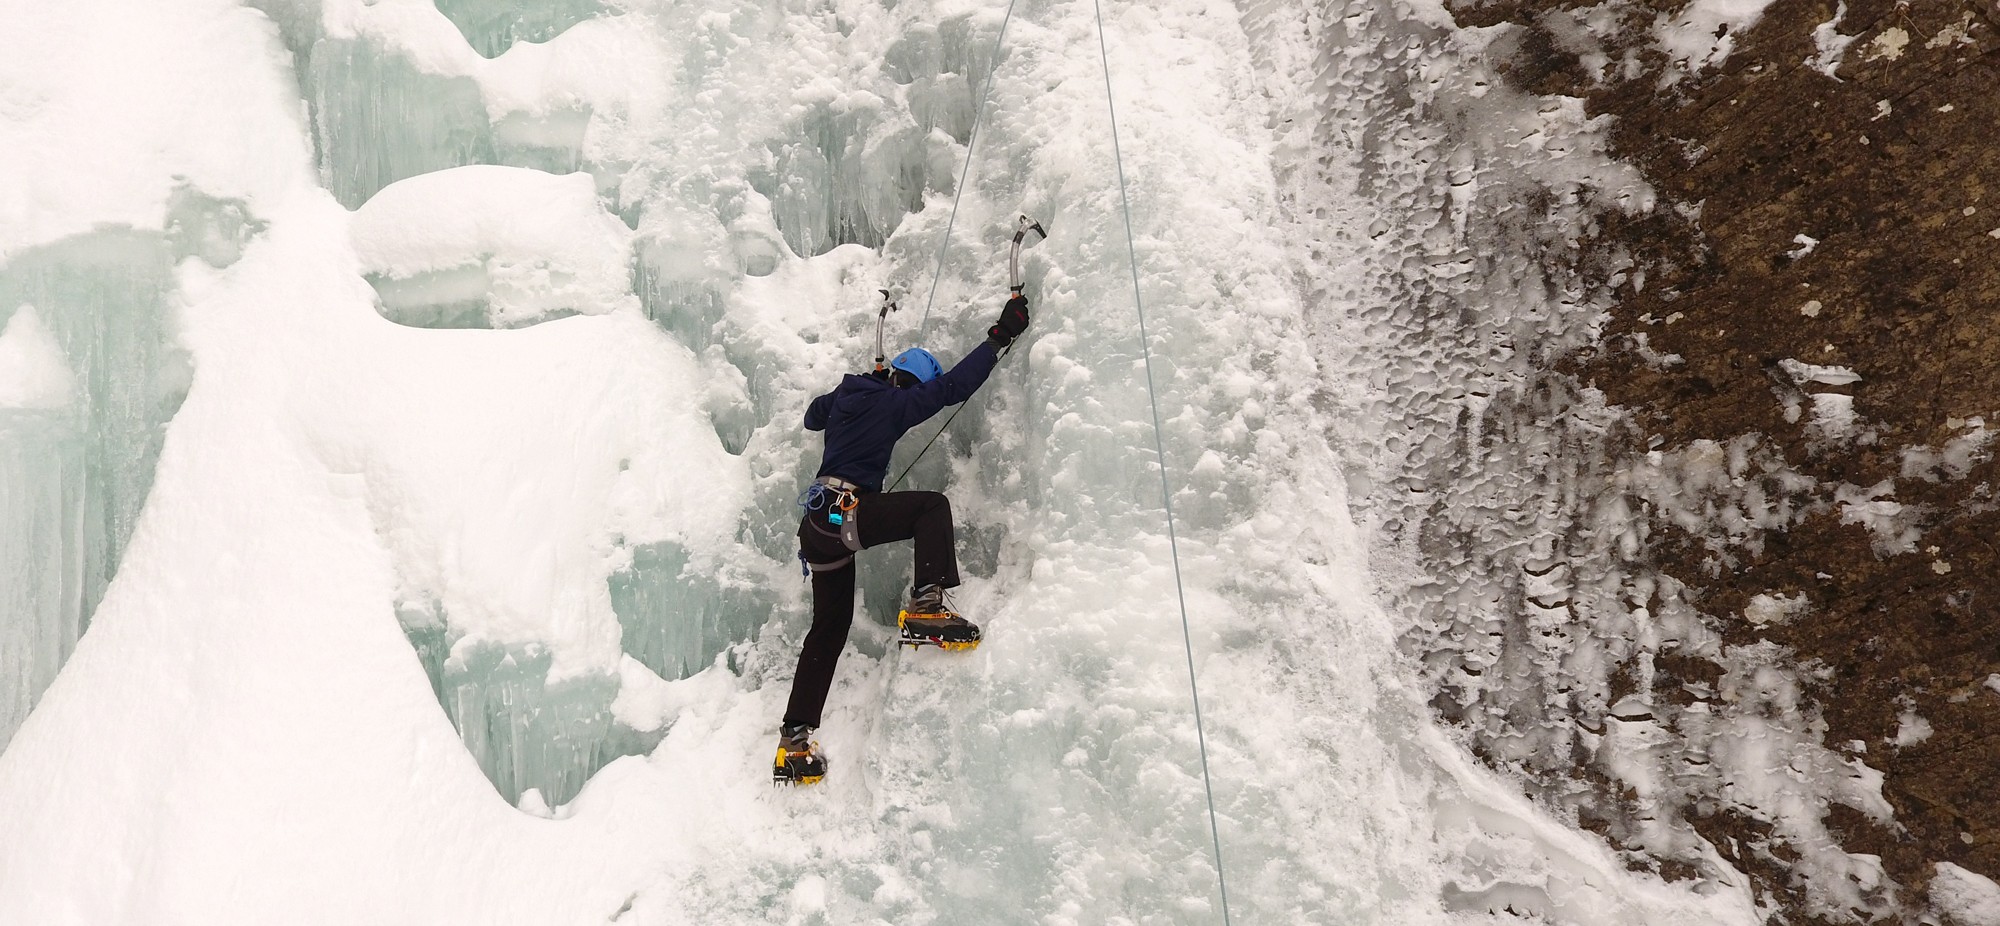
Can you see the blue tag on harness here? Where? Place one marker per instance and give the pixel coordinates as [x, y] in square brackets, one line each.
[835, 517]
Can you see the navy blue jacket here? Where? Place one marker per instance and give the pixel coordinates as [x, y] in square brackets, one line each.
[864, 417]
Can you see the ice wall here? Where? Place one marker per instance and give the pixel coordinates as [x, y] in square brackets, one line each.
[1508, 529]
[95, 312]
[394, 575]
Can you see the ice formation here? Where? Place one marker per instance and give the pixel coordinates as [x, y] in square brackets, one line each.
[414, 623]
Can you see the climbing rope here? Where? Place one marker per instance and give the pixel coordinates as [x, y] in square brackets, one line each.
[971, 138]
[965, 171]
[1160, 451]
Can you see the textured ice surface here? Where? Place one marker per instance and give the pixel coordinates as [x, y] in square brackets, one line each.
[392, 583]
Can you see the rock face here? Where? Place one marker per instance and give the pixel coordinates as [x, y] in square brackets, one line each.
[1813, 305]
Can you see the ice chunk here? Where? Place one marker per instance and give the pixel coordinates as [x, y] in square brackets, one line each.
[1774, 609]
[493, 246]
[1891, 524]
[1832, 416]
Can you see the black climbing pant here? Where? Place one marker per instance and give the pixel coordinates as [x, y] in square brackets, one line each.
[884, 517]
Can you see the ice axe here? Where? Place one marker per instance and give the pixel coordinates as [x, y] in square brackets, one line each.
[1022, 226]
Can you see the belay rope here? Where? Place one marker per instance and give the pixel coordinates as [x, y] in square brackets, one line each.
[1160, 452]
[1022, 226]
[965, 170]
[944, 244]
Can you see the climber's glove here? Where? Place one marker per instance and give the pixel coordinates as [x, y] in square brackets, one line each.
[1013, 321]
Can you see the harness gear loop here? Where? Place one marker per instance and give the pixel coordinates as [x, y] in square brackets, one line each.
[840, 500]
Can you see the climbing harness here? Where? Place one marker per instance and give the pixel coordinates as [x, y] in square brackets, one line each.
[1022, 226]
[842, 504]
[1160, 453]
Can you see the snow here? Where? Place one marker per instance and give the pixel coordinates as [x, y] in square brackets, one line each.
[33, 371]
[497, 624]
[1833, 417]
[1891, 524]
[1968, 898]
[1704, 32]
[525, 243]
[178, 128]
[1911, 729]
[1829, 44]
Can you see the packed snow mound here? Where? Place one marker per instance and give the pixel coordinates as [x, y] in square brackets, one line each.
[33, 370]
[491, 246]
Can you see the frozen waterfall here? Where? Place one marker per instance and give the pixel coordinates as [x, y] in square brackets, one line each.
[404, 397]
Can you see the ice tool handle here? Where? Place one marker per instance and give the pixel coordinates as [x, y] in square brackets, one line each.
[1022, 226]
[881, 323]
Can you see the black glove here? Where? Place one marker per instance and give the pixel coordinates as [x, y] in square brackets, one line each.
[1013, 321]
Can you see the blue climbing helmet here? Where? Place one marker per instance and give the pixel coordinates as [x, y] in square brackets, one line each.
[918, 363]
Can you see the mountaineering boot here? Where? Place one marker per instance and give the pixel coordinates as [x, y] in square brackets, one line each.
[930, 621]
[799, 761]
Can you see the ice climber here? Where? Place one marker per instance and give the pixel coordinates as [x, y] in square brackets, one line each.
[846, 511]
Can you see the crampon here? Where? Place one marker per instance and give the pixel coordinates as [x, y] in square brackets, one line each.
[798, 761]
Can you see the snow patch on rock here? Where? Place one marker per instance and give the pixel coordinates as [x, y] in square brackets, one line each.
[1704, 32]
[1911, 729]
[1889, 45]
[1968, 898]
[1830, 44]
[1891, 523]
